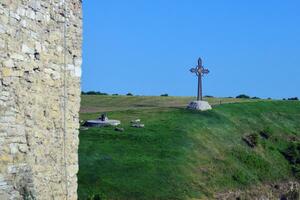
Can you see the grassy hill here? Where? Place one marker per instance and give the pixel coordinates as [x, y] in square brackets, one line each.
[182, 154]
[98, 103]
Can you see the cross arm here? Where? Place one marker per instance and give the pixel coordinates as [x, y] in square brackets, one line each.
[205, 71]
[193, 70]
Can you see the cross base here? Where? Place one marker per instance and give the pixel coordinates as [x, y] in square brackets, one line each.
[199, 105]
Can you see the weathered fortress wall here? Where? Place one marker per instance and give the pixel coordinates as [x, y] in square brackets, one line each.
[39, 98]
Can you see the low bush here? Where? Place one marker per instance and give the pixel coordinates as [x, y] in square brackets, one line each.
[164, 95]
[251, 140]
[296, 171]
[93, 93]
[293, 99]
[242, 96]
[292, 153]
[265, 133]
[95, 197]
[129, 94]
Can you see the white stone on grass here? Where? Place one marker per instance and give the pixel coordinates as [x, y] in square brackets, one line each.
[199, 105]
[100, 123]
[136, 121]
[138, 125]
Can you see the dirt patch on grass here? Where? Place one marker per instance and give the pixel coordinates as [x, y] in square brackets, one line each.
[289, 190]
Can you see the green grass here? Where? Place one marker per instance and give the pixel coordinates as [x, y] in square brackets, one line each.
[182, 154]
[102, 103]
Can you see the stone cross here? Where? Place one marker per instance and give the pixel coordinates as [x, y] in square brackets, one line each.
[199, 70]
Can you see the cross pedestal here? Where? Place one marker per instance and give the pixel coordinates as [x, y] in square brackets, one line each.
[199, 105]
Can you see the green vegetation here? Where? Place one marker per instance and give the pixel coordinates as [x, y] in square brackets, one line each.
[164, 95]
[182, 154]
[292, 154]
[293, 99]
[93, 93]
[243, 96]
[96, 103]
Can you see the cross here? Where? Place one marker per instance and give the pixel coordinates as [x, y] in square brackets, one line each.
[199, 70]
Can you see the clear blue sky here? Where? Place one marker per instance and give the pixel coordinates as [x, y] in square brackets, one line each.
[148, 46]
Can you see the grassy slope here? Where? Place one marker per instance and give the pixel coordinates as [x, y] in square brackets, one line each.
[96, 103]
[184, 154]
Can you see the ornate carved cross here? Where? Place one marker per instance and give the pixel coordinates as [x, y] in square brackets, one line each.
[199, 70]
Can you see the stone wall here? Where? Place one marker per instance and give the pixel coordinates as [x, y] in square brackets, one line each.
[40, 69]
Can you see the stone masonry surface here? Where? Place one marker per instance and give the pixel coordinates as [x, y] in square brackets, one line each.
[40, 73]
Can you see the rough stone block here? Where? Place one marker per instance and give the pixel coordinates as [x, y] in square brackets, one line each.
[199, 105]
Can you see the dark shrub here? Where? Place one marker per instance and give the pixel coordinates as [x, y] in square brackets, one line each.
[94, 197]
[296, 171]
[129, 94]
[209, 96]
[95, 93]
[292, 153]
[251, 140]
[293, 99]
[255, 98]
[91, 93]
[115, 94]
[164, 95]
[242, 96]
[266, 133]
[97, 197]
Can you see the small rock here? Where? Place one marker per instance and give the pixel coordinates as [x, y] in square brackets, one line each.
[119, 129]
[277, 187]
[251, 140]
[264, 134]
[135, 121]
[84, 128]
[199, 105]
[138, 125]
